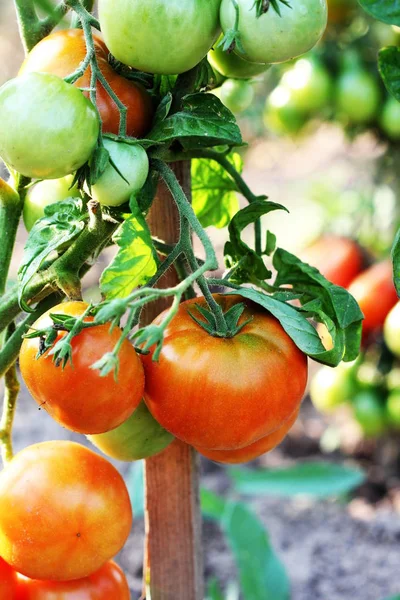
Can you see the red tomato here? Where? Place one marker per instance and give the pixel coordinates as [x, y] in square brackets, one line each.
[76, 396]
[225, 393]
[242, 455]
[64, 511]
[108, 583]
[375, 293]
[61, 54]
[339, 259]
[8, 582]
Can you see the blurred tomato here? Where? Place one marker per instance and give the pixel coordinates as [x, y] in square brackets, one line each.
[358, 95]
[393, 409]
[310, 85]
[391, 330]
[390, 118]
[332, 387]
[369, 411]
[281, 116]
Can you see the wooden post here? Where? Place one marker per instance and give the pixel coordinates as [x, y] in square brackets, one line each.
[173, 549]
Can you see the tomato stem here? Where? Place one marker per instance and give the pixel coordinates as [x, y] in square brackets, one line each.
[32, 29]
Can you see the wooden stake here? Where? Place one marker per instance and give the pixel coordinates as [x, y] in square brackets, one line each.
[173, 550]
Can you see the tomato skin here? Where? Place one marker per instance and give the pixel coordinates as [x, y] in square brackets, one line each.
[375, 293]
[391, 330]
[224, 394]
[167, 37]
[357, 95]
[64, 511]
[274, 39]
[390, 118]
[43, 194]
[248, 453]
[61, 54]
[48, 129]
[233, 66]
[339, 259]
[139, 437]
[131, 160]
[77, 396]
[237, 95]
[8, 582]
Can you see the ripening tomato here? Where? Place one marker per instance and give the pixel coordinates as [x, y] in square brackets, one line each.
[233, 66]
[237, 95]
[64, 511]
[243, 455]
[339, 259]
[108, 583]
[8, 581]
[167, 37]
[375, 293]
[61, 54]
[225, 393]
[43, 194]
[272, 38]
[76, 396]
[48, 129]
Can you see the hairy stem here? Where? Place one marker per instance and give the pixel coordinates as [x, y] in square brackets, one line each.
[11, 392]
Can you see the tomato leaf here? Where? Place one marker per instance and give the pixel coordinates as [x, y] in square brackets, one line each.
[136, 261]
[316, 479]
[387, 11]
[203, 122]
[389, 67]
[214, 192]
[49, 237]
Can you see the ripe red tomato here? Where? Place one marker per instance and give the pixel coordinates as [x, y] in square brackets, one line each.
[61, 54]
[64, 511]
[76, 396]
[8, 581]
[338, 258]
[242, 455]
[225, 393]
[108, 583]
[375, 293]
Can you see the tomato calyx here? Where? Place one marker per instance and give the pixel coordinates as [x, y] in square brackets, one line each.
[230, 326]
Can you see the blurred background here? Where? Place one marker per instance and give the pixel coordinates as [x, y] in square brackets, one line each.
[324, 140]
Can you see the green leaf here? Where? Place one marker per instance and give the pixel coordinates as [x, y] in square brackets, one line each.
[396, 262]
[50, 236]
[389, 67]
[203, 122]
[135, 486]
[317, 479]
[261, 573]
[46, 6]
[214, 196]
[136, 261]
[214, 590]
[387, 11]
[212, 506]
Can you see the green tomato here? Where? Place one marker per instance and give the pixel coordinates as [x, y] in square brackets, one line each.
[139, 437]
[272, 38]
[357, 96]
[233, 66]
[310, 85]
[281, 116]
[132, 162]
[160, 36]
[237, 95]
[48, 129]
[370, 413]
[390, 118]
[393, 409]
[44, 193]
[332, 387]
[391, 330]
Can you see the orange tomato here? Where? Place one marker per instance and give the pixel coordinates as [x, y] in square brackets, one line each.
[61, 54]
[339, 259]
[64, 511]
[8, 582]
[242, 455]
[225, 393]
[108, 583]
[76, 396]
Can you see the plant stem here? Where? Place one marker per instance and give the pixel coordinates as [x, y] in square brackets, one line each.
[10, 214]
[11, 392]
[32, 29]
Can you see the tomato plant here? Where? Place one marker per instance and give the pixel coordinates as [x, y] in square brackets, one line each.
[43, 194]
[63, 391]
[8, 581]
[237, 95]
[233, 66]
[48, 129]
[61, 54]
[59, 502]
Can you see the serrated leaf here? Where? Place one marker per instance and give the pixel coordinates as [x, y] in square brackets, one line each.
[389, 67]
[136, 261]
[317, 479]
[148, 192]
[214, 192]
[387, 11]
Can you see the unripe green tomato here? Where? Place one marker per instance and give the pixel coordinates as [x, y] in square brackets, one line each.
[390, 118]
[237, 95]
[281, 116]
[332, 387]
[132, 162]
[233, 66]
[391, 330]
[393, 409]
[43, 194]
[139, 437]
[48, 129]
[310, 85]
[357, 95]
[370, 413]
